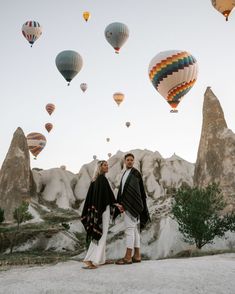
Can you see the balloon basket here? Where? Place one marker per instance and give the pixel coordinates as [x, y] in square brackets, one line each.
[174, 111]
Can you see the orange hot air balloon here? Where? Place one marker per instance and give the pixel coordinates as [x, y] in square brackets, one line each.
[118, 97]
[36, 142]
[86, 15]
[50, 108]
[48, 127]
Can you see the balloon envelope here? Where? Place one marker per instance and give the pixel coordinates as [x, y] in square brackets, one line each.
[83, 87]
[118, 97]
[128, 124]
[48, 127]
[31, 30]
[50, 108]
[116, 34]
[36, 142]
[224, 6]
[173, 73]
[86, 15]
[69, 63]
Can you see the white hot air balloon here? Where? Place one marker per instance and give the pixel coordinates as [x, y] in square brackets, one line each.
[173, 73]
[83, 87]
[31, 30]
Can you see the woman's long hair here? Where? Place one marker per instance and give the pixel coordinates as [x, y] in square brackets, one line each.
[97, 171]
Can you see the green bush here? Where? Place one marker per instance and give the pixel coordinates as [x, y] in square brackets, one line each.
[198, 213]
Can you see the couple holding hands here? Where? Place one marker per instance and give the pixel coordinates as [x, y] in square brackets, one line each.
[101, 206]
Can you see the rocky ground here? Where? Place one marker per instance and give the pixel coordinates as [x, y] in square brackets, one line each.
[198, 275]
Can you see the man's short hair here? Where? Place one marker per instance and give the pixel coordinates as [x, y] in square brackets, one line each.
[129, 154]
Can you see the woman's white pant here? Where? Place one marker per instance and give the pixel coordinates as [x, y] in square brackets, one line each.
[96, 252]
[132, 232]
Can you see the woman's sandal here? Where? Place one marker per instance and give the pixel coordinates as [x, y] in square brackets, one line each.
[123, 261]
[91, 266]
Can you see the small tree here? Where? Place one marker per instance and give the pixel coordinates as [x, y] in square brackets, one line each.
[198, 213]
[2, 218]
[21, 214]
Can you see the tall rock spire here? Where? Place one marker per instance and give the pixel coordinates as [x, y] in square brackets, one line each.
[16, 181]
[216, 153]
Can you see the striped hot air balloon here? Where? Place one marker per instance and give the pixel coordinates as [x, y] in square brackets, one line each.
[69, 63]
[118, 97]
[48, 127]
[50, 108]
[31, 30]
[224, 6]
[116, 34]
[36, 142]
[173, 73]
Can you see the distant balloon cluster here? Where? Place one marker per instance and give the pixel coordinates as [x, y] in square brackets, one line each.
[172, 72]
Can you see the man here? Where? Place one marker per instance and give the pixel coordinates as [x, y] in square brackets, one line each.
[131, 201]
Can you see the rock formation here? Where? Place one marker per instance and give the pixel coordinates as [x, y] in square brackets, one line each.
[216, 153]
[16, 181]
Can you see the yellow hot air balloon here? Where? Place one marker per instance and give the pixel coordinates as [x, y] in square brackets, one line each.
[118, 97]
[86, 15]
[224, 6]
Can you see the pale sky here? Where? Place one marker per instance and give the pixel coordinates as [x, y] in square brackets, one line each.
[83, 121]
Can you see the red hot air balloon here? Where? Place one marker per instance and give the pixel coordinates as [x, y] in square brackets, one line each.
[48, 127]
[50, 108]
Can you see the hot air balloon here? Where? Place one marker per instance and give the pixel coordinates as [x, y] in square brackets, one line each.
[83, 87]
[128, 124]
[69, 63]
[48, 127]
[116, 34]
[31, 31]
[94, 157]
[107, 139]
[50, 108]
[173, 73]
[86, 15]
[109, 155]
[36, 142]
[118, 97]
[224, 6]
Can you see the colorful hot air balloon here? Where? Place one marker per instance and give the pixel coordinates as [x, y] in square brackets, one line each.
[69, 63]
[36, 142]
[50, 108]
[116, 34]
[86, 15]
[173, 73]
[94, 157]
[109, 155]
[128, 124]
[83, 87]
[31, 31]
[224, 6]
[118, 97]
[107, 139]
[48, 127]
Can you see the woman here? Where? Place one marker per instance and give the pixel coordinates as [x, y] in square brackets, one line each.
[96, 213]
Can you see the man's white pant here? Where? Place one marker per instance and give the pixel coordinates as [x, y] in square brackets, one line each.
[131, 231]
